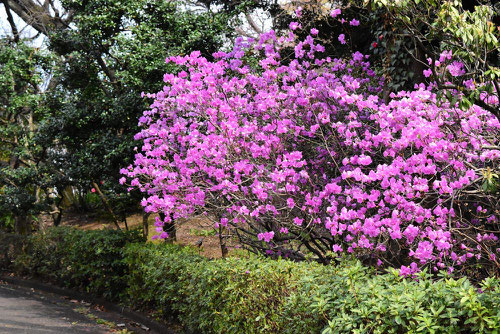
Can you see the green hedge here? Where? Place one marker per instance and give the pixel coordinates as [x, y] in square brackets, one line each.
[247, 295]
[258, 295]
[10, 248]
[90, 260]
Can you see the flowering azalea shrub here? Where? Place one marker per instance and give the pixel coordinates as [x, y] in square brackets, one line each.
[300, 158]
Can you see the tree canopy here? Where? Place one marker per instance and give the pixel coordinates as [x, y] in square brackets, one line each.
[77, 98]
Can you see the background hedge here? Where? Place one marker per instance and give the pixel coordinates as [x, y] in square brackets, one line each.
[255, 294]
[89, 260]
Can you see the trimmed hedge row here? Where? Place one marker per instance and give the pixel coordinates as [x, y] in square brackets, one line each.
[89, 260]
[258, 295]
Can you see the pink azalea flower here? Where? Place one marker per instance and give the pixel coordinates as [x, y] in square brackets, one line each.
[342, 39]
[354, 23]
[334, 13]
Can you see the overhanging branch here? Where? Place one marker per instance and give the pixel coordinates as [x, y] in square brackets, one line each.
[10, 19]
[35, 15]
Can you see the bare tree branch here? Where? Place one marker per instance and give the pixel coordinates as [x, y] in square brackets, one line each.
[15, 32]
[36, 16]
[252, 24]
[110, 73]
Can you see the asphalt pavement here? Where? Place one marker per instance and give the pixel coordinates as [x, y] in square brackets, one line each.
[24, 310]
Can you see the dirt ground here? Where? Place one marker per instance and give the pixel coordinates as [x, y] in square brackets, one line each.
[189, 231]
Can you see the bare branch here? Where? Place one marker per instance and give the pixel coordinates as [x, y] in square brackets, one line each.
[36, 16]
[110, 73]
[15, 32]
[252, 24]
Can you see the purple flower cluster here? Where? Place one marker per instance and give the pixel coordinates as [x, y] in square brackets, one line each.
[284, 149]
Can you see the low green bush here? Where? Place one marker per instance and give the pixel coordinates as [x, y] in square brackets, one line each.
[89, 260]
[10, 248]
[234, 295]
[258, 295]
[354, 299]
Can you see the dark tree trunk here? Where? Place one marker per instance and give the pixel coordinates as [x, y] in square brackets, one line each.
[169, 228]
[57, 212]
[22, 225]
[417, 65]
[222, 242]
[145, 225]
[57, 217]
